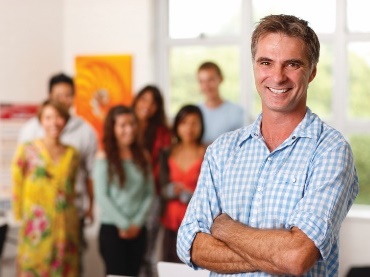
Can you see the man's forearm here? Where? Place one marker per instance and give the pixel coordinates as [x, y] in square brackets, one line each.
[273, 251]
[214, 255]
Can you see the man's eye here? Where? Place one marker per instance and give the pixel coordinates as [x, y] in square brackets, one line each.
[293, 65]
[264, 63]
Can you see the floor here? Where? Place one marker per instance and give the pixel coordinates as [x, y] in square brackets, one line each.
[93, 265]
[93, 268]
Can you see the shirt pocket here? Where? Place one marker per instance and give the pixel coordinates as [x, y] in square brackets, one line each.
[280, 197]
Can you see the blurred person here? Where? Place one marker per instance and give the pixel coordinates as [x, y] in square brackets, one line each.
[154, 135]
[220, 115]
[3, 232]
[271, 197]
[179, 170]
[124, 190]
[44, 172]
[77, 133]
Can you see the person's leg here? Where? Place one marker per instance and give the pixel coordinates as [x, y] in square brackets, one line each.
[110, 248]
[169, 246]
[149, 267]
[3, 231]
[135, 251]
[83, 244]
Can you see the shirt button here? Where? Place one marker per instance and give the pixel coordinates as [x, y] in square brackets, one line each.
[269, 159]
[294, 180]
[259, 189]
[252, 219]
[293, 137]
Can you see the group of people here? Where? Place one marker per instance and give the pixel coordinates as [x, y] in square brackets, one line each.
[141, 178]
[52, 186]
[265, 199]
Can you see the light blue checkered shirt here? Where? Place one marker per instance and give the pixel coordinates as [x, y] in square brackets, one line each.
[309, 181]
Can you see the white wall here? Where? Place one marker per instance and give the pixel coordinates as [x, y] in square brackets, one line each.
[355, 239]
[101, 27]
[31, 48]
[41, 37]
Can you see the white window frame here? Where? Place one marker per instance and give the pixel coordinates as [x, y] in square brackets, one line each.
[339, 40]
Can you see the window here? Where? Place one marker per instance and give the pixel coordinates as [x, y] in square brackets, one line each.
[184, 62]
[188, 19]
[190, 32]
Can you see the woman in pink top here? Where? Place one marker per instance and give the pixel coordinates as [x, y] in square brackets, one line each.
[180, 168]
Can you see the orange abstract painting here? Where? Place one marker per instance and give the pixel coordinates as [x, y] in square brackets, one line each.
[102, 82]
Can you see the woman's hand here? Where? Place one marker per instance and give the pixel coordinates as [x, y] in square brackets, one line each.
[178, 188]
[130, 233]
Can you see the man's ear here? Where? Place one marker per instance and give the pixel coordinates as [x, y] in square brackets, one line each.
[313, 74]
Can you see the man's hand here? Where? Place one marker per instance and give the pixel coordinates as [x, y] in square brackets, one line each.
[276, 251]
[219, 225]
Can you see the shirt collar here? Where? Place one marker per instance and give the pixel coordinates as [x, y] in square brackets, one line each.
[308, 128]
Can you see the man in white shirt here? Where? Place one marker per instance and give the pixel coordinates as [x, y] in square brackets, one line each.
[77, 133]
[220, 116]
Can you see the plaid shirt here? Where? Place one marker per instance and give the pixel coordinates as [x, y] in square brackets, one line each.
[309, 181]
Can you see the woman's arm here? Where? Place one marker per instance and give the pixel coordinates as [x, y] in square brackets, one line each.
[141, 215]
[100, 178]
[18, 168]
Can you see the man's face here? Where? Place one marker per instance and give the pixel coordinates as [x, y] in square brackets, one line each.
[282, 73]
[62, 93]
[209, 82]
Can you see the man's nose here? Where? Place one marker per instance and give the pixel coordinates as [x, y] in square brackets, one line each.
[279, 74]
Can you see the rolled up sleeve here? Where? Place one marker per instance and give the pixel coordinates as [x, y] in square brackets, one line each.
[331, 190]
[202, 209]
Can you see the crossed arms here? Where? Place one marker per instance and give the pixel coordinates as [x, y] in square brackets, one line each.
[210, 239]
[233, 248]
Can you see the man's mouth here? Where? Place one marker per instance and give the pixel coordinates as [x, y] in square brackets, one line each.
[278, 91]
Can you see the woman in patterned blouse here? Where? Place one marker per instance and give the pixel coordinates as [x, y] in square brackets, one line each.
[43, 174]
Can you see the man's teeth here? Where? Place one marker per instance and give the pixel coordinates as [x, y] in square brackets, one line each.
[278, 91]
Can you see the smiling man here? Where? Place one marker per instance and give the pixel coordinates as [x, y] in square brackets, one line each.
[271, 197]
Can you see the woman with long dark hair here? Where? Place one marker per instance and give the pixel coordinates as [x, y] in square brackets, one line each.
[124, 191]
[154, 135]
[180, 168]
[153, 132]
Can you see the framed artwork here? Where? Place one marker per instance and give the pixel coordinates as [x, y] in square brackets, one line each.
[102, 82]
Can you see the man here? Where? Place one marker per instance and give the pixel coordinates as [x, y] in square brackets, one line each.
[271, 197]
[76, 133]
[220, 116]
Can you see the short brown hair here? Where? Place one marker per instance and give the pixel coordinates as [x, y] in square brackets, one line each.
[291, 26]
[62, 110]
[211, 65]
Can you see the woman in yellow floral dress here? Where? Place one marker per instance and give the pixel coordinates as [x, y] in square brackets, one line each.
[43, 174]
